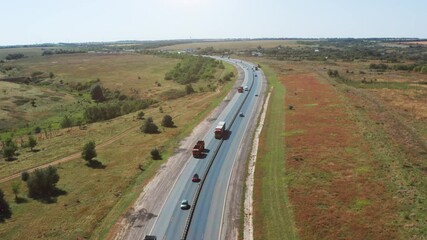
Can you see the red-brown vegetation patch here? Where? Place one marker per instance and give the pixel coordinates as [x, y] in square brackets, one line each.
[410, 102]
[334, 191]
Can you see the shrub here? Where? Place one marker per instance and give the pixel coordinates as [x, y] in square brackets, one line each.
[32, 142]
[42, 183]
[140, 115]
[167, 121]
[155, 154]
[37, 130]
[149, 126]
[9, 149]
[89, 151]
[66, 122]
[333, 73]
[5, 211]
[97, 93]
[106, 111]
[24, 176]
[13, 56]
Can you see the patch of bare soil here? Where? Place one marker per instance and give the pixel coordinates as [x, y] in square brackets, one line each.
[333, 189]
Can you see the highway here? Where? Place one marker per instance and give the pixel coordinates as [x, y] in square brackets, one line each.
[207, 199]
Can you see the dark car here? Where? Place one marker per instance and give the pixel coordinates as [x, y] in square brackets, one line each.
[150, 237]
[185, 205]
[195, 178]
[241, 114]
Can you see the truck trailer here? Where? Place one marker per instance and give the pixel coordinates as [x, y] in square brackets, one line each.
[220, 130]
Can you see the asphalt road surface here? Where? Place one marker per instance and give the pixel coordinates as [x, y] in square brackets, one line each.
[207, 199]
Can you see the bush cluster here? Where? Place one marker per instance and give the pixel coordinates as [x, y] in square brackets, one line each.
[110, 110]
[191, 69]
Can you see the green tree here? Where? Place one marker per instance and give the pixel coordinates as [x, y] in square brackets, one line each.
[24, 176]
[149, 126]
[5, 211]
[9, 149]
[155, 154]
[89, 151]
[167, 121]
[32, 142]
[97, 93]
[42, 183]
[8, 152]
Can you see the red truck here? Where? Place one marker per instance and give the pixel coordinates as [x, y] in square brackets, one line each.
[199, 149]
[220, 130]
[240, 89]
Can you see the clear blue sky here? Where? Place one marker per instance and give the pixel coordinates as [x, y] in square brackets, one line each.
[42, 21]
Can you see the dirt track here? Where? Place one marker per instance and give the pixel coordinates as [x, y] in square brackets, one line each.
[70, 157]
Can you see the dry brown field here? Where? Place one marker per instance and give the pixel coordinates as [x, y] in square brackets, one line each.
[354, 154]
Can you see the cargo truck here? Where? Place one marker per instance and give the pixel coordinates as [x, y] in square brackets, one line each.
[199, 149]
[220, 130]
[240, 89]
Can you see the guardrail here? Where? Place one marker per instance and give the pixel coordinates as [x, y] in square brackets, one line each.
[199, 186]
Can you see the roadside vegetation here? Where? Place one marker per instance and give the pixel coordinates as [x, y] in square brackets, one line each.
[273, 217]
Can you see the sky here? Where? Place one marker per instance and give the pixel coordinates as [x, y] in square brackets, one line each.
[53, 21]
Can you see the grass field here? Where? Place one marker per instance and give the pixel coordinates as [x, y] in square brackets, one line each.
[122, 72]
[133, 74]
[16, 108]
[273, 217]
[95, 198]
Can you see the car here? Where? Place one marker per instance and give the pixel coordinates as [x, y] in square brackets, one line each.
[241, 114]
[184, 204]
[195, 178]
[256, 95]
[256, 75]
[150, 237]
[246, 88]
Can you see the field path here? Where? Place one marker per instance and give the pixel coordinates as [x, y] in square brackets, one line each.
[70, 157]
